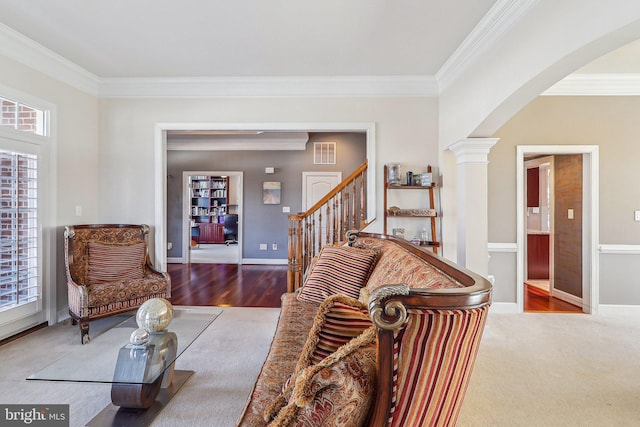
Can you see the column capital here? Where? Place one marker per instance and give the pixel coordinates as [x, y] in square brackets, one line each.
[473, 150]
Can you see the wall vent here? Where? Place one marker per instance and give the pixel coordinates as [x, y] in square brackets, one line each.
[324, 153]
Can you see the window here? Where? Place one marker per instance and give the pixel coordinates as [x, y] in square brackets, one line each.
[18, 116]
[27, 239]
[19, 281]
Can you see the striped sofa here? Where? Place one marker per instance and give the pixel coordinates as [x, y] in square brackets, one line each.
[426, 315]
[109, 272]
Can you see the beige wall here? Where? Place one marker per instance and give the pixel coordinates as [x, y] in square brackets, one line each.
[608, 122]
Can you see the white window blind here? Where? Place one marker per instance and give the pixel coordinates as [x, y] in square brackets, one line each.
[19, 281]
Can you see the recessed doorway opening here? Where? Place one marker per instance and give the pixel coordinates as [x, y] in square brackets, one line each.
[161, 242]
[557, 228]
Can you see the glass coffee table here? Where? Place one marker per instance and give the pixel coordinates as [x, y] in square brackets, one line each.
[142, 378]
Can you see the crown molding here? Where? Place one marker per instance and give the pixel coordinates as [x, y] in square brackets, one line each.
[290, 141]
[500, 18]
[238, 145]
[22, 49]
[493, 25]
[473, 150]
[596, 85]
[294, 86]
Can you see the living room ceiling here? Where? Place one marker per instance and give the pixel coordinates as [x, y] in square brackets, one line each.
[278, 38]
[276, 48]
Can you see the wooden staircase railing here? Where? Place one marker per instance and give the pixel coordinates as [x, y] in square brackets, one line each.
[326, 223]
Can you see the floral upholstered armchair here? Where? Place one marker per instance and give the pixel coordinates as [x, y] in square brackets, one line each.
[109, 272]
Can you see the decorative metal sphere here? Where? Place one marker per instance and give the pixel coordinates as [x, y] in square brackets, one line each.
[154, 315]
[139, 336]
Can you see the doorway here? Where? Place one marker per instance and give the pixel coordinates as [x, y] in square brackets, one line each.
[194, 247]
[539, 180]
[559, 227]
[160, 165]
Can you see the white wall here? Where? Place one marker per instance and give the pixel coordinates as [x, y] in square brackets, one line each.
[552, 40]
[77, 153]
[406, 132]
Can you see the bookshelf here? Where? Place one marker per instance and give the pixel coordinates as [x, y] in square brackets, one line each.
[208, 206]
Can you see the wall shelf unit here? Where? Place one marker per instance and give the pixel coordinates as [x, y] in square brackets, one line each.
[208, 206]
[427, 214]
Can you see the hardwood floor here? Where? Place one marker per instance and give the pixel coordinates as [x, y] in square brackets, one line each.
[262, 286]
[227, 284]
[538, 300]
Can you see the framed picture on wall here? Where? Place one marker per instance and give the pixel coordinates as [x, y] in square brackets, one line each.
[271, 191]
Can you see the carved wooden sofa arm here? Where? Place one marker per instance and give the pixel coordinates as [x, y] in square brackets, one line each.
[427, 341]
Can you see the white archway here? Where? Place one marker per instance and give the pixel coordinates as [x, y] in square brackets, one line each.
[517, 66]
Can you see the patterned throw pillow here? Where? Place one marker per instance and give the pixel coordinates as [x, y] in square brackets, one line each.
[109, 262]
[338, 270]
[338, 391]
[338, 321]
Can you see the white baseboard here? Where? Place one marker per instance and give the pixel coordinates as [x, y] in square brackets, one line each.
[603, 309]
[566, 297]
[265, 261]
[262, 261]
[504, 308]
[63, 315]
[608, 309]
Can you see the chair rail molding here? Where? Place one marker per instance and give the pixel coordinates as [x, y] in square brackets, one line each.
[502, 247]
[620, 249]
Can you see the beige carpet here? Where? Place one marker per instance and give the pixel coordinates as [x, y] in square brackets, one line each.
[226, 357]
[532, 370]
[537, 369]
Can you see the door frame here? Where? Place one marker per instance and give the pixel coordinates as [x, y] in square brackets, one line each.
[539, 162]
[186, 220]
[160, 164]
[590, 215]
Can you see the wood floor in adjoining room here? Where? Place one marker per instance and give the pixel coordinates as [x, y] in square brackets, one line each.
[538, 300]
[262, 286]
[227, 284]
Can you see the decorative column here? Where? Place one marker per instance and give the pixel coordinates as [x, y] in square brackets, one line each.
[472, 202]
